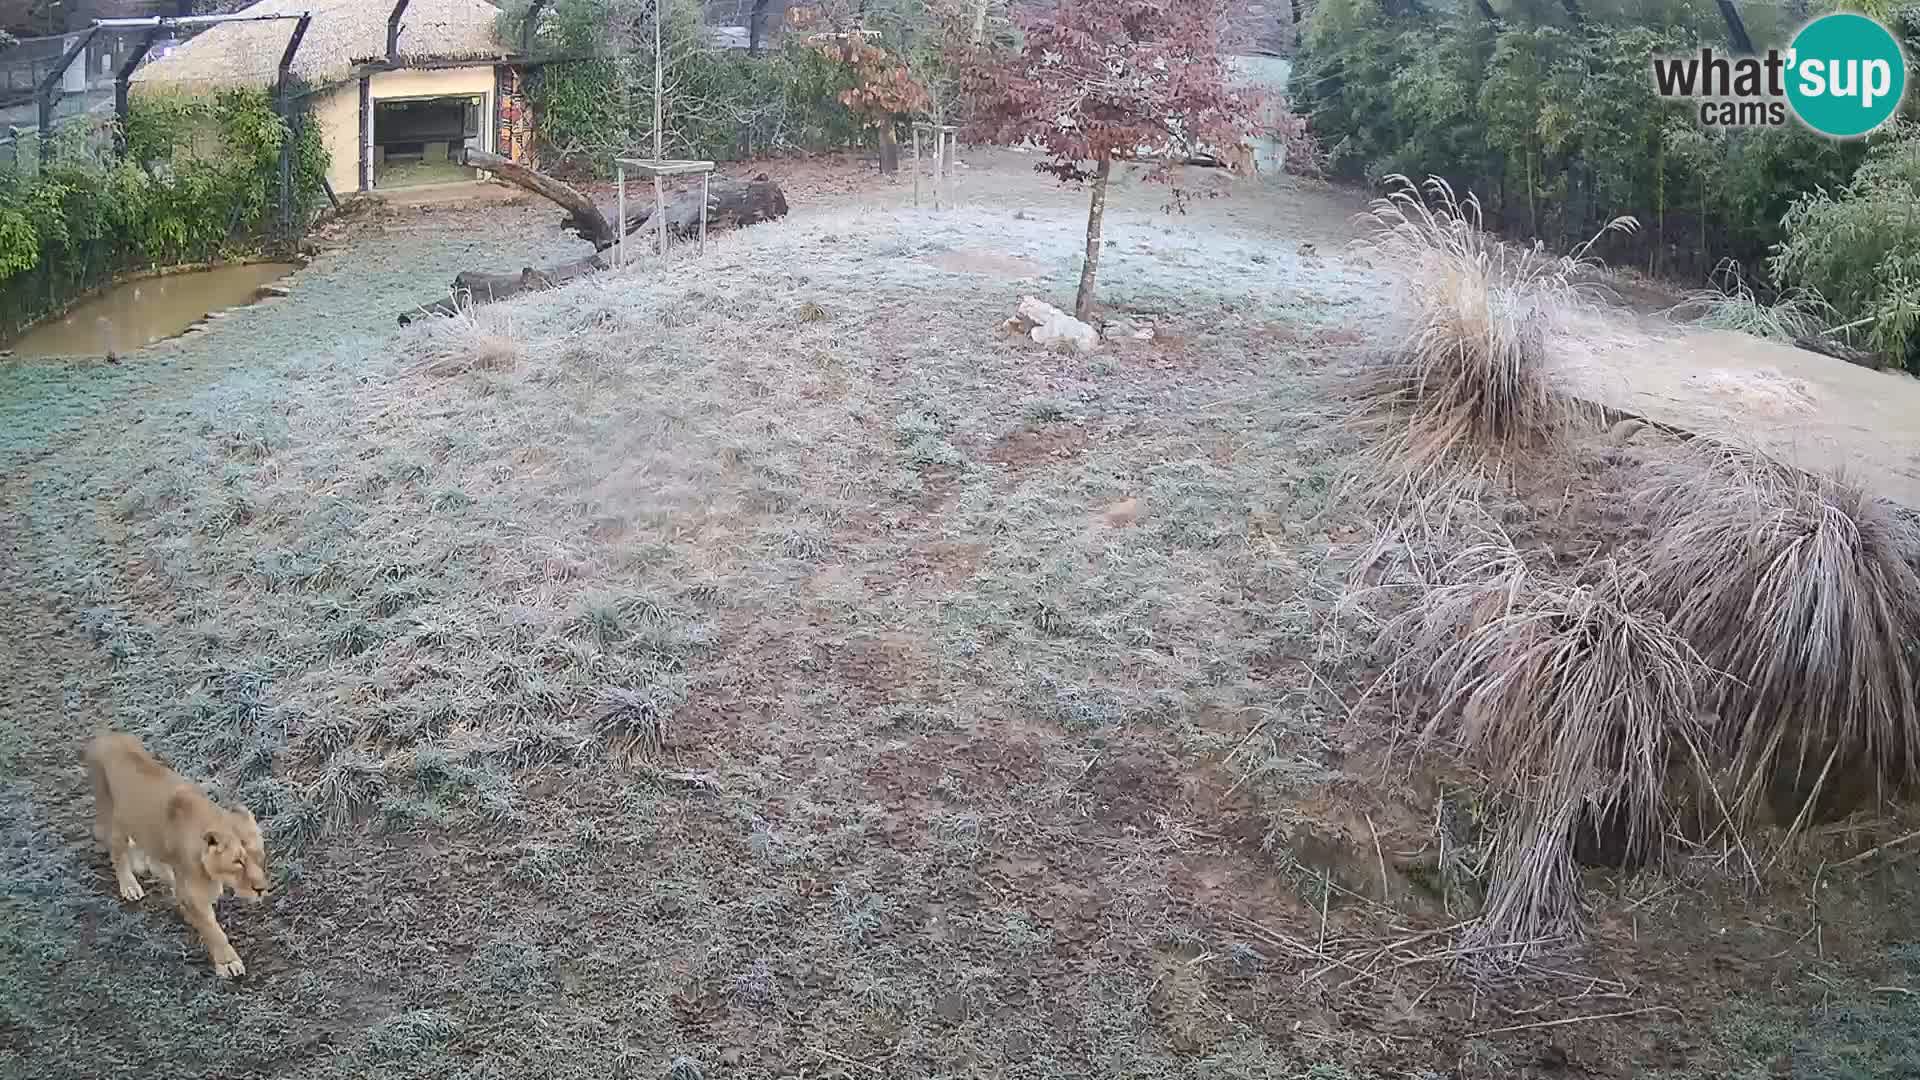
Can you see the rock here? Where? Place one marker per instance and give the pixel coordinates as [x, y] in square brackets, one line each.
[1051, 326]
[684, 1068]
[1121, 514]
[267, 291]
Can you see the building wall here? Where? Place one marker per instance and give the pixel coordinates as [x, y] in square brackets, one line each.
[337, 111]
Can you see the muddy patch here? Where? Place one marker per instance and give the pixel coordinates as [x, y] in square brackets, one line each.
[988, 263]
[138, 313]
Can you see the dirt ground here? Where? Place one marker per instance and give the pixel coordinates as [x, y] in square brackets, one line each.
[763, 658]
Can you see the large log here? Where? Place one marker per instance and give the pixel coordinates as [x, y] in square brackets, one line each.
[589, 222]
[731, 204]
[472, 287]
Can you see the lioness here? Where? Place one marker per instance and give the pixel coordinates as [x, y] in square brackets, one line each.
[153, 821]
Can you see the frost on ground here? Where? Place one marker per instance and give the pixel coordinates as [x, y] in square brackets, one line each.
[461, 616]
[763, 658]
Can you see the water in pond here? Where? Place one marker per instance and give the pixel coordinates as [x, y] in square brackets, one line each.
[147, 310]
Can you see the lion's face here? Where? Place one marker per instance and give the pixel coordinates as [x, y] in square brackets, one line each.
[236, 856]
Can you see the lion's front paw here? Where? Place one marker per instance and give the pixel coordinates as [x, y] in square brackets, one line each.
[230, 968]
[131, 890]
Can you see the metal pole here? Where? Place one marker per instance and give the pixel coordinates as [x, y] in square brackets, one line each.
[660, 212]
[704, 178]
[51, 84]
[620, 222]
[283, 92]
[939, 162]
[123, 81]
[659, 134]
[393, 28]
[916, 166]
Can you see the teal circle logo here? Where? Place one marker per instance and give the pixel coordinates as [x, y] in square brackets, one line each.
[1845, 75]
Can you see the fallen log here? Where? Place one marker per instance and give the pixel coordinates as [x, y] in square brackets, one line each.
[591, 224]
[1851, 355]
[731, 204]
[471, 287]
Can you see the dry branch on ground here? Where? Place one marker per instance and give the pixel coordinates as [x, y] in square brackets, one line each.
[730, 204]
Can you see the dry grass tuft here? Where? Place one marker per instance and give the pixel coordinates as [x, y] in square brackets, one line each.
[472, 339]
[1471, 381]
[1580, 704]
[1802, 589]
[810, 312]
[1729, 303]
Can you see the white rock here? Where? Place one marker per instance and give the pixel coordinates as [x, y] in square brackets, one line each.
[1051, 325]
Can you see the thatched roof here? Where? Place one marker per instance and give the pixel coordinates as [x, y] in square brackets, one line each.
[344, 33]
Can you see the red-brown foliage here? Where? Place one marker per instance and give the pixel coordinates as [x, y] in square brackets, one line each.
[1112, 79]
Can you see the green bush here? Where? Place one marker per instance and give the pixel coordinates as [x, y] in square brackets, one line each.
[78, 220]
[1556, 126]
[722, 105]
[1859, 247]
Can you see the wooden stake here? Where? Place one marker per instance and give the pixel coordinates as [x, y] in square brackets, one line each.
[659, 135]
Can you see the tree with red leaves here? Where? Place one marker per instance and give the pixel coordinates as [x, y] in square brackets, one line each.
[883, 90]
[1106, 80]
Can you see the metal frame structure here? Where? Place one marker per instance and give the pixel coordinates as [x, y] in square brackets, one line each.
[943, 136]
[154, 27]
[656, 168]
[44, 94]
[393, 29]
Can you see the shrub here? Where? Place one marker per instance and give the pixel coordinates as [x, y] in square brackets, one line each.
[1471, 381]
[1729, 303]
[1802, 590]
[77, 221]
[1860, 247]
[1558, 124]
[1579, 702]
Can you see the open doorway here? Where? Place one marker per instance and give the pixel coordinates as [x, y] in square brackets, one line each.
[416, 140]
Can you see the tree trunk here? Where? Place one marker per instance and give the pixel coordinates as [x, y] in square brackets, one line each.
[1083, 302]
[475, 287]
[588, 221]
[889, 148]
[731, 204]
[980, 20]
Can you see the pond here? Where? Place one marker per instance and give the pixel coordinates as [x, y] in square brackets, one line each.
[141, 312]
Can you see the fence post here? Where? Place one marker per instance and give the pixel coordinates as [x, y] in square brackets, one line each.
[51, 85]
[283, 95]
[123, 81]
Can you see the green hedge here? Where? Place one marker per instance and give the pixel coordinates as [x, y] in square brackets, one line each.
[81, 219]
[1557, 127]
[723, 105]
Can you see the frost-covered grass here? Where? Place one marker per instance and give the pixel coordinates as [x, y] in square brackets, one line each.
[647, 660]
[762, 658]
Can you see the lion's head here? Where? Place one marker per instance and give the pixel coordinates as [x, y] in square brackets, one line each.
[236, 855]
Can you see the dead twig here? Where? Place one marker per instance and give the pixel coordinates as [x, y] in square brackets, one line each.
[1562, 1022]
[1872, 851]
